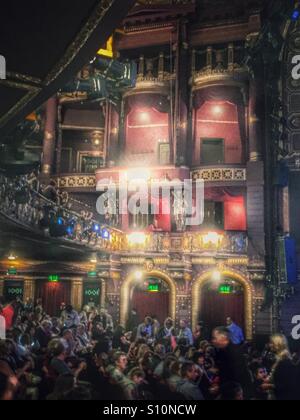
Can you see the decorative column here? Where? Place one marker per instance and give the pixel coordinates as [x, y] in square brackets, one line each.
[255, 124]
[59, 140]
[77, 293]
[1, 286]
[49, 137]
[255, 171]
[29, 289]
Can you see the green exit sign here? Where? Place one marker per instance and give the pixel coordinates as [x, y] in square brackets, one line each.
[153, 288]
[92, 274]
[225, 289]
[53, 278]
[12, 271]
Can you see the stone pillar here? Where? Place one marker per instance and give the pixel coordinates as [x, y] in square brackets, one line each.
[256, 98]
[29, 289]
[77, 293]
[1, 286]
[49, 137]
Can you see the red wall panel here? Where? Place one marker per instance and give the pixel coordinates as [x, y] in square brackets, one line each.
[235, 214]
[223, 124]
[145, 128]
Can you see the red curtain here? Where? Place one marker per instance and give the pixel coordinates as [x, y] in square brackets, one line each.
[235, 214]
[215, 308]
[53, 295]
[151, 304]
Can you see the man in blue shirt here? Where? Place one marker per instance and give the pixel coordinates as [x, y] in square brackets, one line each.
[236, 333]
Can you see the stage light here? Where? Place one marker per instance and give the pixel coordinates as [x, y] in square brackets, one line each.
[296, 14]
[96, 228]
[137, 238]
[138, 275]
[105, 234]
[60, 221]
[70, 230]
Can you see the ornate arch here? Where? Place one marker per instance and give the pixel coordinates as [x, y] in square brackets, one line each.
[128, 284]
[248, 291]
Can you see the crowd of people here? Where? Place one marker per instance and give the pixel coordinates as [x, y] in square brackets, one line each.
[47, 208]
[86, 356]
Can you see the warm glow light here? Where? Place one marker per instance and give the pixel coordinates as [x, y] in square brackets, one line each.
[143, 116]
[12, 257]
[136, 238]
[138, 174]
[217, 110]
[216, 276]
[138, 275]
[213, 238]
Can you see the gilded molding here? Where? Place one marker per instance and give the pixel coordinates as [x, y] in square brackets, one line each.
[128, 285]
[205, 277]
[220, 174]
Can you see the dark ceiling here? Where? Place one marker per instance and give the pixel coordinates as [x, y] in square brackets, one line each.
[45, 43]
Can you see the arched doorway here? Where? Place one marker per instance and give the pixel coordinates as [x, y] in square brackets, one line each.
[153, 293]
[232, 297]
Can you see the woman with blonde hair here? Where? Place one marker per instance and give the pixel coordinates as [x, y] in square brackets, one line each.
[284, 378]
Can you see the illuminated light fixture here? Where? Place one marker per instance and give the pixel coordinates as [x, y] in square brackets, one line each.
[143, 116]
[213, 238]
[296, 14]
[93, 259]
[217, 110]
[138, 275]
[12, 257]
[96, 227]
[216, 276]
[70, 230]
[105, 234]
[137, 238]
[138, 174]
[60, 221]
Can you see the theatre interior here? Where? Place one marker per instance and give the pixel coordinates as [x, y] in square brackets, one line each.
[153, 90]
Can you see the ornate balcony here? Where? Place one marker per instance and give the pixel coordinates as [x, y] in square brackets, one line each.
[206, 244]
[76, 182]
[226, 173]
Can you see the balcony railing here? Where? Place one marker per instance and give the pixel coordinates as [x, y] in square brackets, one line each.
[28, 208]
[210, 243]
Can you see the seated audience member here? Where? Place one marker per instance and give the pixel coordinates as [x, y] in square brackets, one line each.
[189, 385]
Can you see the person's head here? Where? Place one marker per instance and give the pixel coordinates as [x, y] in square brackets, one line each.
[221, 338]
[80, 329]
[148, 321]
[232, 391]
[47, 326]
[69, 309]
[68, 335]
[189, 371]
[169, 323]
[137, 376]
[229, 321]
[56, 349]
[182, 324]
[160, 350]
[260, 373]
[279, 345]
[121, 361]
[199, 358]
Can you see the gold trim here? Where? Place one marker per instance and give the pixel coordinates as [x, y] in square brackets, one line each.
[220, 174]
[249, 297]
[128, 285]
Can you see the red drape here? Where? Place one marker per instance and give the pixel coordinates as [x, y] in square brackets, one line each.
[151, 304]
[235, 214]
[53, 295]
[215, 308]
